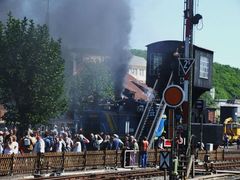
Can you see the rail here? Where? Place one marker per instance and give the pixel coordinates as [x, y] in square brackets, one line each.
[131, 174]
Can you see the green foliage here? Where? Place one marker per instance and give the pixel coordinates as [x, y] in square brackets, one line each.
[140, 53]
[208, 100]
[90, 85]
[226, 81]
[31, 72]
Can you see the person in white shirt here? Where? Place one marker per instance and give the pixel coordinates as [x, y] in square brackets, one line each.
[60, 144]
[62, 131]
[77, 147]
[1, 142]
[97, 142]
[39, 147]
[84, 141]
[9, 146]
[1, 149]
[15, 145]
[68, 141]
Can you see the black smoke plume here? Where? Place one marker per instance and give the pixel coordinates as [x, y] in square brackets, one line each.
[89, 24]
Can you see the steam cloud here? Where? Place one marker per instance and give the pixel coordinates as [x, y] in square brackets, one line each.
[98, 24]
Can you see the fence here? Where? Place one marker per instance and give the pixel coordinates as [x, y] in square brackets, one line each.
[48, 162]
[131, 158]
[220, 155]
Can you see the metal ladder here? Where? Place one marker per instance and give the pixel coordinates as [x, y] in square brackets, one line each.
[156, 121]
[146, 126]
[145, 115]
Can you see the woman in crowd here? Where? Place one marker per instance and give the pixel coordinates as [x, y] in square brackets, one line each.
[77, 147]
[9, 146]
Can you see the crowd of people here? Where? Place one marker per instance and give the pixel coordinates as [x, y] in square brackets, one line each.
[55, 140]
[61, 141]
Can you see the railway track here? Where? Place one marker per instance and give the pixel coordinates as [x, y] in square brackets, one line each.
[140, 173]
[118, 175]
[227, 165]
[221, 165]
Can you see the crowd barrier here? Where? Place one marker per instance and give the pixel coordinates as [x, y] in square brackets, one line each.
[69, 161]
[220, 155]
[131, 159]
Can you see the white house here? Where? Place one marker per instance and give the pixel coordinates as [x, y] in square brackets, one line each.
[137, 68]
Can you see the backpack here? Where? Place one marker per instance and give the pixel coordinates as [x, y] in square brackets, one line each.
[96, 146]
[26, 141]
[48, 144]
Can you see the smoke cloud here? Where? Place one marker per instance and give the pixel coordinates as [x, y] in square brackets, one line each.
[104, 25]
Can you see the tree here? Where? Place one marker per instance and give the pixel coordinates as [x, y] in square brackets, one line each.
[208, 99]
[140, 53]
[31, 72]
[90, 85]
[226, 81]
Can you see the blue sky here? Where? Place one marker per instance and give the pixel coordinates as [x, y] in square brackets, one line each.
[157, 20]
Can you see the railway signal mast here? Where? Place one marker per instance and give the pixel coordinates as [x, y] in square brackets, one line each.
[189, 20]
[188, 27]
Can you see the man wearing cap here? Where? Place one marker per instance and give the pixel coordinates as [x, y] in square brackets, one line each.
[117, 142]
[135, 147]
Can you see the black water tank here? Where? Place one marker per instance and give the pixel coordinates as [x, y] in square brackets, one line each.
[161, 62]
[211, 133]
[228, 111]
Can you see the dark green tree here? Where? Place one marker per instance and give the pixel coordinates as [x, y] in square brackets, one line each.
[31, 72]
[208, 100]
[90, 85]
[140, 53]
[226, 81]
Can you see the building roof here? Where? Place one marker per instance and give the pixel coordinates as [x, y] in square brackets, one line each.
[139, 89]
[137, 61]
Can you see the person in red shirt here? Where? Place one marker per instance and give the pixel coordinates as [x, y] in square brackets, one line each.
[144, 149]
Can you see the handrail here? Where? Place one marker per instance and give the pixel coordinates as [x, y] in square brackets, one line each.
[137, 136]
[156, 121]
[156, 126]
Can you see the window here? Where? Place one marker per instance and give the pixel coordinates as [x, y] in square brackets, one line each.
[141, 72]
[127, 127]
[204, 67]
[135, 71]
[155, 61]
[132, 70]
